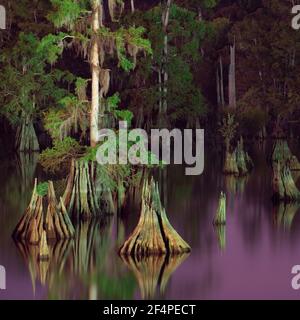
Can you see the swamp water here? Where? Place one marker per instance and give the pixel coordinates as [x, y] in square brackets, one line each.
[251, 257]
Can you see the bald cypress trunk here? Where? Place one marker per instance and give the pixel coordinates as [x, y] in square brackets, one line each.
[164, 71]
[232, 82]
[95, 68]
[222, 98]
[132, 6]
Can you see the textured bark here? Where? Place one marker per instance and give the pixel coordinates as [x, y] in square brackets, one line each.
[238, 162]
[244, 162]
[55, 223]
[284, 187]
[283, 155]
[80, 198]
[154, 234]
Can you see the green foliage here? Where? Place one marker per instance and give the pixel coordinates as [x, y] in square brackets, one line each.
[26, 85]
[53, 159]
[66, 12]
[42, 189]
[185, 35]
[51, 47]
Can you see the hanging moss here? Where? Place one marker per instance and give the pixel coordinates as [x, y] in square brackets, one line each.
[220, 218]
[116, 8]
[153, 234]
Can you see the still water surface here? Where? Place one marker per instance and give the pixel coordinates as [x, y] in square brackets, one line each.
[250, 258]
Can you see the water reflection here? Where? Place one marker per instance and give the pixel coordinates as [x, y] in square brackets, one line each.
[251, 258]
[85, 267]
[153, 273]
[234, 184]
[284, 214]
[220, 231]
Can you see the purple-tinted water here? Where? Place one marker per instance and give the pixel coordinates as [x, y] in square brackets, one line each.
[262, 243]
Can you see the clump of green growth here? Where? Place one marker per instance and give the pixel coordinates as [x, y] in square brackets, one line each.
[42, 188]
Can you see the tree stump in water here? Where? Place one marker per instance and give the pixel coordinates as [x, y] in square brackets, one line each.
[153, 234]
[220, 218]
[243, 160]
[238, 162]
[283, 155]
[56, 222]
[284, 187]
[80, 197]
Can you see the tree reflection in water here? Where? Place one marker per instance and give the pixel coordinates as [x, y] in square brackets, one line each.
[153, 272]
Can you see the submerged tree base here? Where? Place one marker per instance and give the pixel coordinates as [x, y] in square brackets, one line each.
[80, 197]
[153, 234]
[55, 223]
[238, 162]
[284, 187]
[283, 155]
